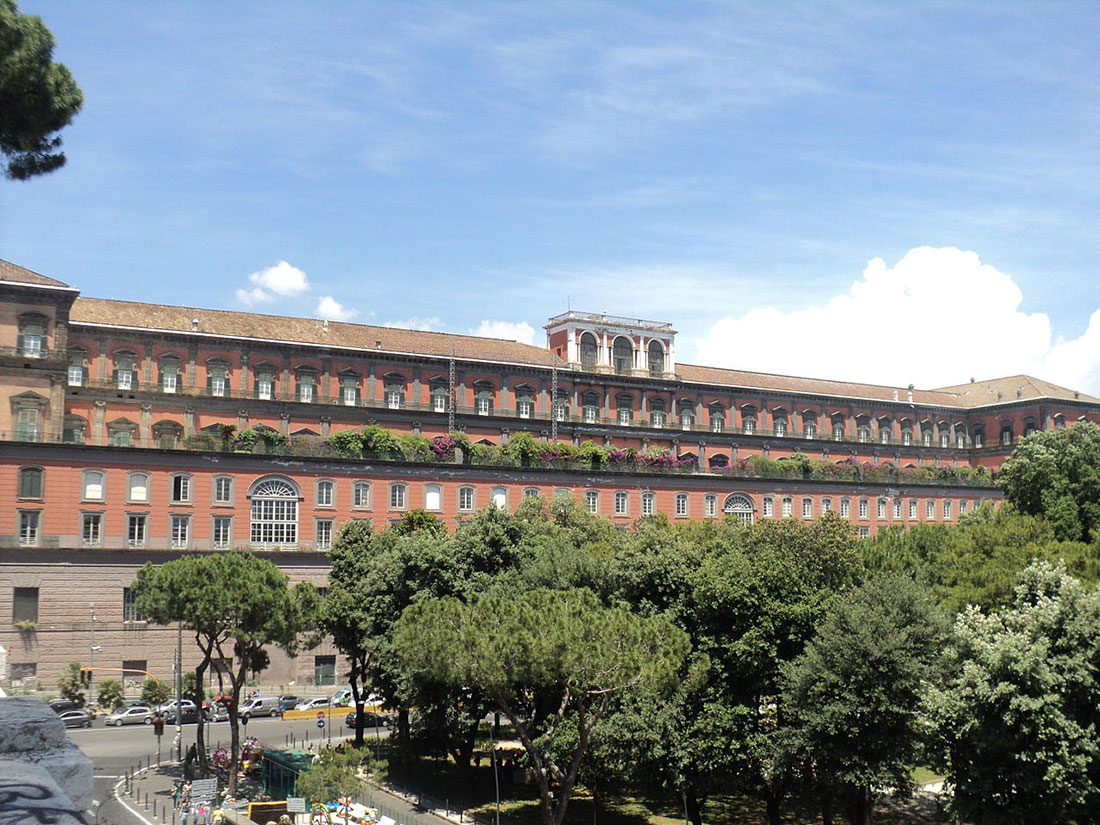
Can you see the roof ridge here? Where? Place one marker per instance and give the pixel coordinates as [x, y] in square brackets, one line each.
[809, 378]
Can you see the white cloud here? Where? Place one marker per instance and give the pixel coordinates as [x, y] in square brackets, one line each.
[273, 282]
[422, 324]
[510, 330]
[938, 317]
[332, 310]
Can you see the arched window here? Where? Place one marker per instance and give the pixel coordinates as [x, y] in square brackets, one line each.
[465, 498]
[360, 495]
[622, 503]
[93, 485]
[525, 401]
[740, 505]
[623, 354]
[499, 497]
[399, 496]
[588, 350]
[1029, 426]
[31, 482]
[137, 488]
[433, 497]
[681, 508]
[167, 434]
[592, 501]
[648, 503]
[325, 492]
[656, 358]
[274, 513]
[531, 492]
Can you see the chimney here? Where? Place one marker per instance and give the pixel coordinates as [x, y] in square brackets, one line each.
[324, 325]
[194, 324]
[895, 395]
[378, 345]
[972, 379]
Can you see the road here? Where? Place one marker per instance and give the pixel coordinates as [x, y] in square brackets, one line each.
[113, 751]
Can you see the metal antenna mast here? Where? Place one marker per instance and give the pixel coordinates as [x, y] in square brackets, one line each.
[451, 394]
[554, 402]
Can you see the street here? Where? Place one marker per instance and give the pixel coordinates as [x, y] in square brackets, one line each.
[113, 751]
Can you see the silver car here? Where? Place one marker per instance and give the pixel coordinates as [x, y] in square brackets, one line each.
[139, 715]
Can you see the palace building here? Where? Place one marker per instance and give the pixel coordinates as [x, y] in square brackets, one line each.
[136, 432]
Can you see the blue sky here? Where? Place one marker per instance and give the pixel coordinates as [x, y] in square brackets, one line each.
[735, 168]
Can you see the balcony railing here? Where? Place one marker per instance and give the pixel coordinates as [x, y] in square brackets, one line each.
[844, 471]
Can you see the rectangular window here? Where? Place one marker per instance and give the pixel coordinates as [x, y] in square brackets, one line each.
[912, 511]
[305, 391]
[864, 508]
[125, 378]
[26, 424]
[439, 402]
[393, 399]
[222, 532]
[349, 394]
[681, 504]
[929, 510]
[30, 482]
[28, 527]
[90, 529]
[265, 387]
[139, 487]
[129, 607]
[324, 493]
[897, 509]
[24, 604]
[592, 501]
[768, 508]
[946, 510]
[135, 531]
[962, 506]
[465, 498]
[76, 374]
[624, 415]
[181, 532]
[223, 490]
[559, 411]
[360, 495]
[169, 380]
[24, 674]
[589, 414]
[648, 500]
[433, 497]
[324, 534]
[324, 670]
[864, 531]
[484, 405]
[880, 510]
[621, 501]
[807, 508]
[710, 505]
[499, 497]
[787, 507]
[181, 489]
[845, 508]
[826, 505]
[397, 496]
[525, 407]
[658, 418]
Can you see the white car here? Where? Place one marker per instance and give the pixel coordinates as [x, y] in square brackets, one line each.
[312, 704]
[138, 715]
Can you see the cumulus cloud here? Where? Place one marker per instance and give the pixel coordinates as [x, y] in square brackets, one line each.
[273, 282]
[510, 330]
[332, 310]
[937, 317]
[422, 324]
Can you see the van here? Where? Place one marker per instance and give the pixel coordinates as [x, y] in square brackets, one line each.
[260, 706]
[342, 698]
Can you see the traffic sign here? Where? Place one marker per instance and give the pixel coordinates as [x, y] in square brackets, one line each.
[320, 714]
[320, 723]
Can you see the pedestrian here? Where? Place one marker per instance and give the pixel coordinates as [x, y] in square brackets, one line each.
[185, 812]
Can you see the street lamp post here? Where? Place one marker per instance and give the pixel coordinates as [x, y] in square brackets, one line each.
[179, 691]
[91, 658]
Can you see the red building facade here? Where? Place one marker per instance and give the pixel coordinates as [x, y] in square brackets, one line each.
[112, 450]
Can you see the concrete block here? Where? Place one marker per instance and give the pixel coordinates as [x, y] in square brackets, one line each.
[31, 735]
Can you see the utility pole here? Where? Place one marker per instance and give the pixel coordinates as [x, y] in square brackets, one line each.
[554, 402]
[91, 660]
[451, 392]
[179, 691]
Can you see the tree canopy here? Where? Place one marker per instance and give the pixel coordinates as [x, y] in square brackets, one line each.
[38, 97]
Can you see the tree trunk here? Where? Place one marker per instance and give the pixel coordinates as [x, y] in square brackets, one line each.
[357, 703]
[827, 811]
[772, 801]
[200, 722]
[858, 809]
[692, 809]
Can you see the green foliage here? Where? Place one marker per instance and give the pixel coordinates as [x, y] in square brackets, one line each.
[111, 693]
[415, 520]
[851, 699]
[346, 444]
[192, 687]
[1016, 726]
[415, 447]
[69, 684]
[154, 693]
[328, 780]
[592, 453]
[1056, 473]
[380, 440]
[37, 96]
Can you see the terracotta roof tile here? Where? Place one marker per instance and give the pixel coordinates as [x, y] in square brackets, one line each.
[305, 330]
[1012, 388]
[12, 272]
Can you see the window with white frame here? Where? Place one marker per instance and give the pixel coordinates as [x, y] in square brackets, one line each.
[838, 430]
[929, 510]
[326, 490]
[32, 337]
[125, 372]
[531, 492]
[217, 379]
[91, 529]
[657, 415]
[687, 418]
[28, 423]
[748, 422]
[767, 509]
[710, 505]
[483, 398]
[525, 402]
[360, 495]
[739, 506]
[946, 510]
[826, 505]
[787, 506]
[625, 408]
[93, 485]
[717, 419]
[170, 375]
[907, 436]
[864, 508]
[465, 498]
[31, 482]
[28, 527]
[592, 501]
[265, 384]
[307, 387]
[944, 438]
[440, 398]
[681, 504]
[622, 503]
[137, 487]
[433, 497]
[780, 426]
[926, 437]
[181, 488]
[880, 508]
[863, 432]
[135, 530]
[223, 490]
[979, 437]
[499, 497]
[1006, 433]
[77, 374]
[845, 508]
[273, 513]
[864, 531]
[590, 407]
[349, 390]
[322, 531]
[809, 427]
[807, 508]
[181, 532]
[897, 509]
[395, 392]
[962, 507]
[561, 409]
[648, 503]
[884, 432]
[222, 532]
[912, 511]
[399, 496]
[960, 439]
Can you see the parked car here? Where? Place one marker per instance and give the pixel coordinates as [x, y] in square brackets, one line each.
[216, 712]
[288, 701]
[62, 705]
[190, 712]
[341, 698]
[75, 719]
[140, 715]
[370, 720]
[260, 706]
[312, 704]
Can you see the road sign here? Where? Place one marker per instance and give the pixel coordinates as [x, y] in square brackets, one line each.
[203, 790]
[295, 804]
[320, 714]
[320, 723]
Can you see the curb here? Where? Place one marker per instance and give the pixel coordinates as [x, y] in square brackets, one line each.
[125, 799]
